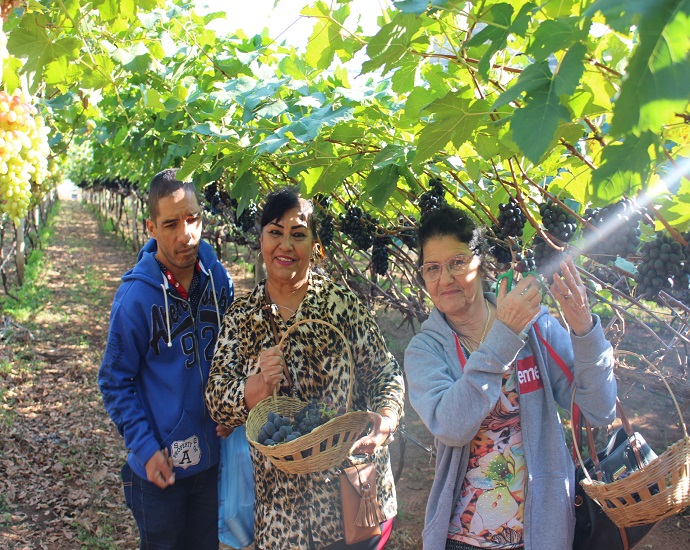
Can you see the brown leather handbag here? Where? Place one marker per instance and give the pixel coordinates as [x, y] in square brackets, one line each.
[362, 515]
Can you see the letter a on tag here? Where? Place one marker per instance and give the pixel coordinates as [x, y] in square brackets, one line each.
[185, 453]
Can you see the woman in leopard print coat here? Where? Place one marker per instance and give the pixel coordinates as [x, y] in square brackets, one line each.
[304, 511]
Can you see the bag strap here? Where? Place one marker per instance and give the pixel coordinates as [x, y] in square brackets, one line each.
[575, 413]
[595, 458]
[577, 417]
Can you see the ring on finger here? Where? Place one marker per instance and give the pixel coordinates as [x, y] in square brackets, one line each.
[568, 296]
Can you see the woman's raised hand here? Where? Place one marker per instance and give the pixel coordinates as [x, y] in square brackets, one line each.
[516, 309]
[571, 294]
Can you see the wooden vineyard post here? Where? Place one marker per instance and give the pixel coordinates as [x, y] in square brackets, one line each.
[20, 249]
[135, 222]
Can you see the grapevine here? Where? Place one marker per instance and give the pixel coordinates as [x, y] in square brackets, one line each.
[663, 266]
[558, 221]
[379, 255]
[546, 258]
[498, 247]
[326, 230]
[408, 235]
[322, 201]
[213, 200]
[511, 219]
[23, 154]
[525, 261]
[681, 281]
[247, 219]
[433, 198]
[359, 226]
[618, 228]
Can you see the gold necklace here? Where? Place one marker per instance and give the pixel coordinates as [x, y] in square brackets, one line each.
[274, 305]
[469, 343]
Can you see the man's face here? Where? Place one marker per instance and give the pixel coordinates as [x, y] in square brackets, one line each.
[177, 231]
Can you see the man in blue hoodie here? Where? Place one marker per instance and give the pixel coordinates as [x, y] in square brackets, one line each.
[163, 327]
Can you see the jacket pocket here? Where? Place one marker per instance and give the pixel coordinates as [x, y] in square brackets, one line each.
[184, 444]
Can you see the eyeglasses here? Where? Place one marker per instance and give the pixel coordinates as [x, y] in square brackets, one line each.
[457, 265]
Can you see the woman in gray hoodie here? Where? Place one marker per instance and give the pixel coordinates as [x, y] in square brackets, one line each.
[485, 376]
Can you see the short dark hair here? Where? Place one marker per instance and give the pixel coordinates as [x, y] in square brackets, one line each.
[164, 184]
[281, 200]
[448, 221]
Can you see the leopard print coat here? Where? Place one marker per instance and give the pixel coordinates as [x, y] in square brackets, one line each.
[304, 511]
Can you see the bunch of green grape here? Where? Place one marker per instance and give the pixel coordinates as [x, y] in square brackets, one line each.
[24, 154]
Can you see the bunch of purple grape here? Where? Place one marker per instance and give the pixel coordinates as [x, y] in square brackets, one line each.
[314, 414]
[283, 429]
[277, 429]
[511, 219]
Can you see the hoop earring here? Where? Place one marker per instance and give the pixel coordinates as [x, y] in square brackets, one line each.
[317, 254]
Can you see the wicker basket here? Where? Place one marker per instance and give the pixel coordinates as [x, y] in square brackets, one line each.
[659, 489]
[304, 455]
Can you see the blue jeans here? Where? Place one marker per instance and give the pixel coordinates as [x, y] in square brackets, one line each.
[179, 517]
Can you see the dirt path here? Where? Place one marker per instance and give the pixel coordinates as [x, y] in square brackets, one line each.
[59, 453]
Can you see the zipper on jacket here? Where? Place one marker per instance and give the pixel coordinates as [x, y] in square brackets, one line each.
[197, 345]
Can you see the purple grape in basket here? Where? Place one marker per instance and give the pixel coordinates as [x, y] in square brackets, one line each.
[270, 428]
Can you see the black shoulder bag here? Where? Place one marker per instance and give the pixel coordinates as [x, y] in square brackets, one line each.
[627, 451]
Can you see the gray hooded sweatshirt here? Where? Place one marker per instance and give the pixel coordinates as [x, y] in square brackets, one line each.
[452, 404]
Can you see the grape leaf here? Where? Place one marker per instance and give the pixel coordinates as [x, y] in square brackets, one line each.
[621, 15]
[31, 41]
[381, 183]
[333, 175]
[320, 51]
[625, 168]
[570, 70]
[391, 43]
[534, 77]
[404, 77]
[533, 126]
[497, 33]
[412, 6]
[456, 118]
[554, 35]
[657, 84]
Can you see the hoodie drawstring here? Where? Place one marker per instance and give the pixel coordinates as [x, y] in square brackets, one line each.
[164, 286]
[213, 289]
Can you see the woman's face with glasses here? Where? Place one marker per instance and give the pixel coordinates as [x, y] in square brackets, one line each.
[451, 274]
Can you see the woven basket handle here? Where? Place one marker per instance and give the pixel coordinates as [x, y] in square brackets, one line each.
[347, 349]
[658, 373]
[621, 413]
[590, 436]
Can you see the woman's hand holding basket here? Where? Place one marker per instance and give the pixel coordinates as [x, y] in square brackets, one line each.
[383, 426]
[272, 373]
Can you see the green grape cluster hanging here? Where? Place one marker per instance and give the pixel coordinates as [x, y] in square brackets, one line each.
[24, 154]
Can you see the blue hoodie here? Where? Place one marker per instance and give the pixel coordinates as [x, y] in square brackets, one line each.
[157, 361]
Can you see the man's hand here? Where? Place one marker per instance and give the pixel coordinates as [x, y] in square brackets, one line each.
[159, 469]
[222, 431]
